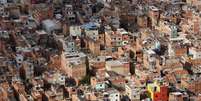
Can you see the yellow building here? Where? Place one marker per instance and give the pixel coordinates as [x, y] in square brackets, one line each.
[152, 88]
[157, 92]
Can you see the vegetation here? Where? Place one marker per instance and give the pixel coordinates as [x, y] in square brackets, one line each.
[132, 62]
[86, 79]
[132, 67]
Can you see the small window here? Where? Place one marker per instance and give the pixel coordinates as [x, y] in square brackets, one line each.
[19, 60]
[156, 96]
[19, 64]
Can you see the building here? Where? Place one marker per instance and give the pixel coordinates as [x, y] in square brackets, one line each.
[132, 91]
[50, 25]
[98, 84]
[54, 77]
[142, 21]
[112, 95]
[113, 40]
[195, 53]
[176, 96]
[157, 92]
[75, 65]
[149, 59]
[115, 79]
[4, 95]
[69, 13]
[91, 40]
[75, 30]
[27, 70]
[118, 66]
[54, 94]
[154, 15]
[192, 85]
[94, 46]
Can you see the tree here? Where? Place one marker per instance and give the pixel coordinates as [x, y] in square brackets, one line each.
[132, 62]
[87, 66]
[132, 67]
[131, 54]
[86, 78]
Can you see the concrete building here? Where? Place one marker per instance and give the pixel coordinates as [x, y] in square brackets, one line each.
[132, 91]
[118, 67]
[112, 95]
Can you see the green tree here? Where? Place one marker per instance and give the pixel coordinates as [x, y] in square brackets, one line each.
[87, 65]
[86, 78]
[132, 62]
[132, 66]
[131, 54]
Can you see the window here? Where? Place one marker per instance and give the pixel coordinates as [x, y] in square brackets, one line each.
[19, 64]
[19, 60]
[156, 96]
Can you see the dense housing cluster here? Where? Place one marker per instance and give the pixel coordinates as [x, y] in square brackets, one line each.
[100, 50]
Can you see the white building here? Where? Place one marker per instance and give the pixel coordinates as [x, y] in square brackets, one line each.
[69, 13]
[91, 30]
[113, 95]
[29, 69]
[93, 34]
[196, 53]
[3, 1]
[105, 1]
[54, 78]
[132, 92]
[50, 25]
[1, 10]
[75, 30]
[19, 59]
